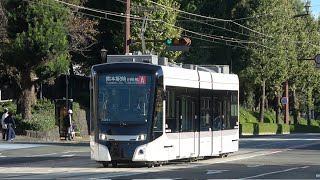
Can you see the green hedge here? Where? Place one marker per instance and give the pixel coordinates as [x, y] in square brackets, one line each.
[264, 128]
[300, 128]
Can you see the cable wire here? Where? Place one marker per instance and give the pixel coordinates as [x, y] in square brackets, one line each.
[138, 18]
[216, 19]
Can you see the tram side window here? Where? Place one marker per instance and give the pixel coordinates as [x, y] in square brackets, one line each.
[181, 110]
[172, 123]
[226, 108]
[226, 112]
[205, 109]
[158, 120]
[234, 109]
[220, 110]
[188, 98]
[217, 114]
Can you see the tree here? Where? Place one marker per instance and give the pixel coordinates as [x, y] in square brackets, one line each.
[38, 44]
[82, 34]
[3, 23]
[160, 24]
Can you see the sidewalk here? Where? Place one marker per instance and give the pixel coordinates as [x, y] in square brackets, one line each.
[27, 139]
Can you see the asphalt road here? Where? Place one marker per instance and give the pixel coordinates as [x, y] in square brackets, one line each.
[294, 156]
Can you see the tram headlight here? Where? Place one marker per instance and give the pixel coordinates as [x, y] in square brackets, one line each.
[141, 151]
[141, 137]
[102, 136]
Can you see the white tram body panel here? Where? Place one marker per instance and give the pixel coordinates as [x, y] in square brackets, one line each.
[210, 143]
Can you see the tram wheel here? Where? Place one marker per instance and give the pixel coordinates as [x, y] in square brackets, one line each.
[105, 164]
[151, 165]
[114, 164]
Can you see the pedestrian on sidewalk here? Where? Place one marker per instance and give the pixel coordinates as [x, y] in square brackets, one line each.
[3, 125]
[11, 125]
[68, 125]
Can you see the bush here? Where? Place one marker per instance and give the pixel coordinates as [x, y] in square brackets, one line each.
[302, 121]
[248, 128]
[264, 128]
[268, 128]
[11, 105]
[43, 118]
[246, 116]
[285, 129]
[269, 117]
[314, 122]
[299, 128]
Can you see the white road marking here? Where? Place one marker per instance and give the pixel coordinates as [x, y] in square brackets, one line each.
[121, 175]
[275, 172]
[317, 175]
[215, 171]
[39, 155]
[2, 156]
[68, 155]
[255, 165]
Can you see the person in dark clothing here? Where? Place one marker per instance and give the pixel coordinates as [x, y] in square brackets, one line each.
[3, 125]
[11, 125]
[68, 125]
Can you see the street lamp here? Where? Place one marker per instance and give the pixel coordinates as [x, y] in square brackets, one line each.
[103, 53]
[307, 7]
[307, 10]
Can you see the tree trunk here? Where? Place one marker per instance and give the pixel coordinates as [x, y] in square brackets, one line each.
[295, 106]
[266, 104]
[262, 102]
[28, 94]
[278, 109]
[309, 96]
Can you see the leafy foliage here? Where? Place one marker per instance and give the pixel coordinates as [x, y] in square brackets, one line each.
[161, 27]
[38, 39]
[43, 118]
[246, 117]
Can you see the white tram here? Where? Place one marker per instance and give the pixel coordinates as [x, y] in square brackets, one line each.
[145, 112]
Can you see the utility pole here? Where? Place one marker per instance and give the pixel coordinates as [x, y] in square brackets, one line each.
[127, 29]
[286, 92]
[286, 85]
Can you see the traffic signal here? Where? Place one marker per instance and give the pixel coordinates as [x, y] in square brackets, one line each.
[183, 41]
[178, 44]
[169, 41]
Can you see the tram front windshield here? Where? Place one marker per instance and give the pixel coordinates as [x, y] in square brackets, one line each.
[124, 97]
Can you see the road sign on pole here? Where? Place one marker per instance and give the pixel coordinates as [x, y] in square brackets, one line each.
[317, 60]
[284, 100]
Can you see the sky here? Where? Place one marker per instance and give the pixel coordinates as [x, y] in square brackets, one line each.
[315, 7]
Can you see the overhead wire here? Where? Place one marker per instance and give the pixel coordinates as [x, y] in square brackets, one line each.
[139, 18]
[244, 47]
[206, 17]
[211, 25]
[216, 19]
[209, 36]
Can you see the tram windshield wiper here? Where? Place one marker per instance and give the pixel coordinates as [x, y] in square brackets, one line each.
[116, 118]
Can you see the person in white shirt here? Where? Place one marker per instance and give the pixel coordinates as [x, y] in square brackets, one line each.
[3, 125]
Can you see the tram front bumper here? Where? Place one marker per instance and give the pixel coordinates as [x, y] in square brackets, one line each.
[99, 152]
[120, 151]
